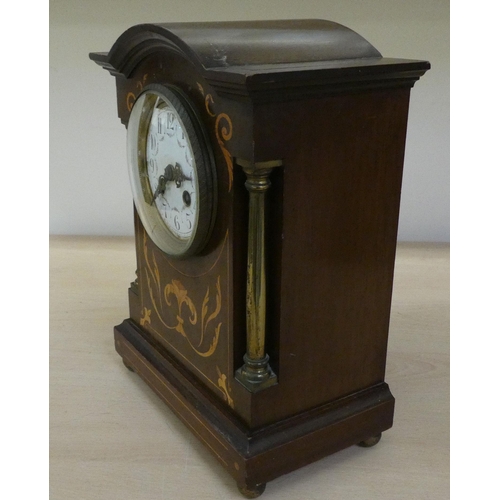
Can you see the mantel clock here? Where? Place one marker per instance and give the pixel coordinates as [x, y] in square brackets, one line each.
[265, 160]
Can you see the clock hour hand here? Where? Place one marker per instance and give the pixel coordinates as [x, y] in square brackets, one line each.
[179, 176]
[167, 176]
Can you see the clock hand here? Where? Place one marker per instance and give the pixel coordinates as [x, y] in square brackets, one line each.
[179, 176]
[160, 189]
[167, 176]
[170, 174]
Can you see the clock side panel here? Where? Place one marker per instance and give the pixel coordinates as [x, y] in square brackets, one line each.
[340, 192]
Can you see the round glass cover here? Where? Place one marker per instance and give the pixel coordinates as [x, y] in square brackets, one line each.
[171, 171]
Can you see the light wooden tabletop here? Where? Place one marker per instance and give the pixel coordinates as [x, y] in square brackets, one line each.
[111, 438]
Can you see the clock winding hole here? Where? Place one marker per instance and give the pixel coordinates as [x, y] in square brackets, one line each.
[186, 198]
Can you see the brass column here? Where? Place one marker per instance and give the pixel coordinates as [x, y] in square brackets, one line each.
[256, 373]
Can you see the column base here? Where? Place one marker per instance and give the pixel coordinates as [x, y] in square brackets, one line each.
[256, 375]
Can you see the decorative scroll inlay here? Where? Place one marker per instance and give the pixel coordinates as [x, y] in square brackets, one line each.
[209, 101]
[132, 96]
[146, 316]
[176, 297]
[222, 381]
[223, 131]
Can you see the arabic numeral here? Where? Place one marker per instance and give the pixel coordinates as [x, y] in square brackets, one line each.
[170, 124]
[160, 124]
[153, 167]
[177, 224]
[153, 144]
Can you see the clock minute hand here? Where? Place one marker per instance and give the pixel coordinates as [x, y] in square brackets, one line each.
[167, 176]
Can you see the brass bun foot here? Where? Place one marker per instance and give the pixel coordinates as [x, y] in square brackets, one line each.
[128, 365]
[368, 443]
[252, 491]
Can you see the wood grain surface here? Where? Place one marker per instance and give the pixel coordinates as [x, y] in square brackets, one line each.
[113, 438]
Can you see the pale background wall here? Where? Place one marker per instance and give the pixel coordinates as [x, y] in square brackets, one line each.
[89, 190]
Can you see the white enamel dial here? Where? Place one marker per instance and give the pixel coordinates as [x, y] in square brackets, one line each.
[172, 171]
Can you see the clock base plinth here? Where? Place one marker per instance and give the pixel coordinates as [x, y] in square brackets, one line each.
[254, 457]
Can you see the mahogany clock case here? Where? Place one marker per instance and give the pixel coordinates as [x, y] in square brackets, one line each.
[321, 102]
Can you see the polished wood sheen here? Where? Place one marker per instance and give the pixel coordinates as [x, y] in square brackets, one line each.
[320, 103]
[255, 457]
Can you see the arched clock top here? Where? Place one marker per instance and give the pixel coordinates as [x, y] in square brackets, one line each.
[139, 42]
[221, 45]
